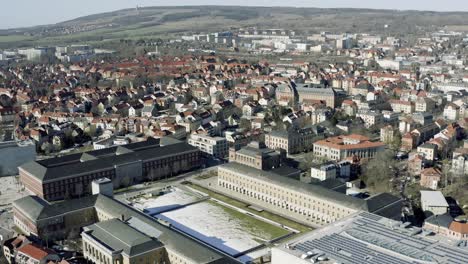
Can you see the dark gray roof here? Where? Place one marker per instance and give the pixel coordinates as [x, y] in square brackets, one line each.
[38, 209]
[279, 133]
[286, 171]
[252, 152]
[118, 236]
[64, 167]
[32, 206]
[443, 220]
[307, 88]
[176, 241]
[386, 205]
[333, 184]
[295, 185]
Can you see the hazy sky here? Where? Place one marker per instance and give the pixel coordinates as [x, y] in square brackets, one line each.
[20, 13]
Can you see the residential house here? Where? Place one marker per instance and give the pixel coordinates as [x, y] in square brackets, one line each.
[428, 151]
[35, 254]
[370, 118]
[402, 106]
[451, 111]
[430, 178]
[425, 105]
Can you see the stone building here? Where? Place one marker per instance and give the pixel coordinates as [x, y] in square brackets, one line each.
[256, 155]
[341, 147]
[430, 178]
[307, 203]
[213, 146]
[116, 242]
[387, 134]
[299, 93]
[71, 175]
[113, 232]
[292, 141]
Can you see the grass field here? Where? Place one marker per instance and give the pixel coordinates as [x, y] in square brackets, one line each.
[301, 228]
[254, 226]
[14, 38]
[224, 228]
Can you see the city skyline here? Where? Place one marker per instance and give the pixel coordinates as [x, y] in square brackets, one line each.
[39, 13]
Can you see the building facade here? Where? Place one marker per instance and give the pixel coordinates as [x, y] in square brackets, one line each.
[116, 242]
[310, 203]
[113, 232]
[214, 146]
[341, 147]
[71, 175]
[256, 155]
[434, 202]
[292, 141]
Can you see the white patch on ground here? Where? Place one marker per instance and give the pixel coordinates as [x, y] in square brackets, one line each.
[173, 199]
[211, 224]
[10, 191]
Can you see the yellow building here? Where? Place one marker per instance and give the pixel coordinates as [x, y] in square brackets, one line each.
[307, 203]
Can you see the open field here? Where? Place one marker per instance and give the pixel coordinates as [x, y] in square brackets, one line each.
[224, 228]
[173, 198]
[9, 192]
[163, 22]
[244, 206]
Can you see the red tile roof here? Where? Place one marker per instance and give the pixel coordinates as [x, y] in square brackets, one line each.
[35, 251]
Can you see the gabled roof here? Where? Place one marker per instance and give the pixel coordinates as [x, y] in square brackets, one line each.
[74, 164]
[119, 236]
[35, 252]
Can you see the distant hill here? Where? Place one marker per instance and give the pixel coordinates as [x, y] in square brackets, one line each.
[150, 22]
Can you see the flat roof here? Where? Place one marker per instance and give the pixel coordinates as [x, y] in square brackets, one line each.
[366, 238]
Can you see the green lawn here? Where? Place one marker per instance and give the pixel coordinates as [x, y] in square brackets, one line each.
[14, 38]
[300, 227]
[259, 228]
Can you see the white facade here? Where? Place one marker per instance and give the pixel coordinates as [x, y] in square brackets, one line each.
[370, 118]
[434, 201]
[323, 172]
[451, 112]
[215, 146]
[389, 64]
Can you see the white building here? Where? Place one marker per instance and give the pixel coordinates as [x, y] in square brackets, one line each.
[331, 170]
[215, 146]
[323, 172]
[389, 64]
[434, 202]
[33, 53]
[370, 118]
[451, 111]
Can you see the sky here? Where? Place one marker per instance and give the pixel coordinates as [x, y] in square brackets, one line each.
[24, 13]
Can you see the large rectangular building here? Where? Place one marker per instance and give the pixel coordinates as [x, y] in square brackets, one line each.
[71, 175]
[301, 93]
[256, 155]
[341, 147]
[308, 203]
[214, 146]
[113, 232]
[369, 239]
[292, 141]
[114, 241]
